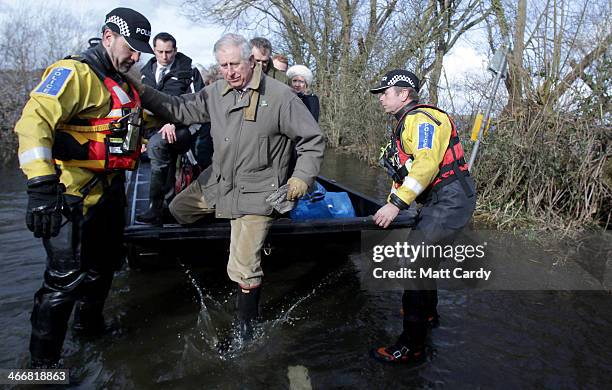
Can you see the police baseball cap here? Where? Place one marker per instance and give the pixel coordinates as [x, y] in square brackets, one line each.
[397, 78]
[134, 27]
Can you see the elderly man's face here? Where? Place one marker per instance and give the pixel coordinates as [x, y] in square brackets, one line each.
[261, 56]
[236, 71]
[392, 100]
[122, 56]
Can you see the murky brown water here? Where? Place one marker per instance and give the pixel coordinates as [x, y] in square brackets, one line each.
[317, 315]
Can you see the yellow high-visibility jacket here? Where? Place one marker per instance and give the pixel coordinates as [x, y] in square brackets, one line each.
[426, 142]
[69, 89]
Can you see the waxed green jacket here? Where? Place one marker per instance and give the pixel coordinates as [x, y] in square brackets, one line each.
[254, 135]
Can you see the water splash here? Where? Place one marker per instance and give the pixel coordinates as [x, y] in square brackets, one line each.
[327, 280]
[227, 343]
[234, 347]
[207, 330]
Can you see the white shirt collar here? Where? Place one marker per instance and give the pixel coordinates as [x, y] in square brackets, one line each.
[160, 67]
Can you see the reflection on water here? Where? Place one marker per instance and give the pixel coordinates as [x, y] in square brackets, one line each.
[318, 322]
[357, 175]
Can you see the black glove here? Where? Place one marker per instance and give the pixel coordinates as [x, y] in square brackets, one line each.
[44, 213]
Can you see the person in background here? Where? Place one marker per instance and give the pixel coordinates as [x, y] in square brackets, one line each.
[427, 165]
[280, 62]
[301, 80]
[210, 74]
[261, 49]
[78, 134]
[170, 72]
[201, 69]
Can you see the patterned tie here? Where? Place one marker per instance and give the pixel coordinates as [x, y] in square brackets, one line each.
[161, 75]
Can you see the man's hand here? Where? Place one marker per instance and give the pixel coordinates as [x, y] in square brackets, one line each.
[385, 215]
[278, 200]
[44, 212]
[297, 188]
[168, 132]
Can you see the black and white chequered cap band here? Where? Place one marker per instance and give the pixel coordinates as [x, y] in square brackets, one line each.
[124, 29]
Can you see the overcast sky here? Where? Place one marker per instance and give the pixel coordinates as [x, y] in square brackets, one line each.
[196, 40]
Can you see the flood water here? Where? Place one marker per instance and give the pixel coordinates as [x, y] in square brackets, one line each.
[318, 322]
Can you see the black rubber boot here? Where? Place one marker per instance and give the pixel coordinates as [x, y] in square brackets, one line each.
[88, 314]
[49, 323]
[247, 305]
[154, 214]
[415, 321]
[88, 319]
[432, 318]
[410, 347]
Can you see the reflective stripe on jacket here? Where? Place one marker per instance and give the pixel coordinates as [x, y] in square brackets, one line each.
[69, 88]
[427, 136]
[104, 152]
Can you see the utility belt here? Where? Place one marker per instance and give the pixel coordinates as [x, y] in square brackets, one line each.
[105, 147]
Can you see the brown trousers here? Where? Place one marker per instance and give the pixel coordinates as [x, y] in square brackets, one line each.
[248, 234]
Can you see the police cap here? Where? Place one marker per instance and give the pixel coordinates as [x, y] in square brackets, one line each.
[397, 78]
[134, 27]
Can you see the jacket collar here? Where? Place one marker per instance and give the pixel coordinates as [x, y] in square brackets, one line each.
[249, 99]
[253, 84]
[170, 67]
[97, 58]
[408, 107]
[100, 56]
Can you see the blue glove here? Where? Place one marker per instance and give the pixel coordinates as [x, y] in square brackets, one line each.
[44, 212]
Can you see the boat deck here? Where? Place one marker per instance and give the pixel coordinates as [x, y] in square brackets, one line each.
[210, 228]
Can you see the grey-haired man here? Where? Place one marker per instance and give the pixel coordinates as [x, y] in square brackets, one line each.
[256, 123]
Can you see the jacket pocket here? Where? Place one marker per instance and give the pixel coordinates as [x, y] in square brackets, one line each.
[252, 194]
[208, 183]
[264, 155]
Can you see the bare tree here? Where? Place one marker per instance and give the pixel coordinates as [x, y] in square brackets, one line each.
[40, 36]
[553, 45]
[453, 19]
[347, 43]
[32, 38]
